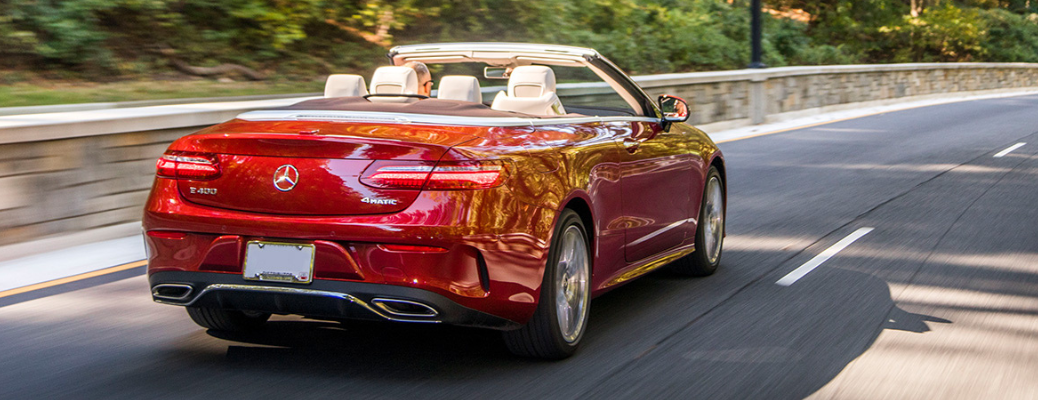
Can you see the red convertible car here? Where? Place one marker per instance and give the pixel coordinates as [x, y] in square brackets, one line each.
[376, 202]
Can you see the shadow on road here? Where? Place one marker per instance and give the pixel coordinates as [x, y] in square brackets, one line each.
[384, 350]
[769, 342]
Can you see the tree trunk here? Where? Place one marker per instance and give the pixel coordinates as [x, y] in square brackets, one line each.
[221, 69]
[381, 36]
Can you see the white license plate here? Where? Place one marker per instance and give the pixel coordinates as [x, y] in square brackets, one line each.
[279, 262]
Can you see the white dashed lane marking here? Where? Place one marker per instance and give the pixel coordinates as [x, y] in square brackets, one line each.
[824, 256]
[1009, 149]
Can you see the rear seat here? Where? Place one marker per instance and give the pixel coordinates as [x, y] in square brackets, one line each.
[394, 80]
[342, 85]
[459, 87]
[531, 90]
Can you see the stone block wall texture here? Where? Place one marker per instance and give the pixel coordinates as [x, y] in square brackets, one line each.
[802, 92]
[790, 89]
[712, 101]
[69, 185]
[50, 186]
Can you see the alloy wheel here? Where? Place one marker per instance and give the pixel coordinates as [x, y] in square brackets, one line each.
[571, 284]
[713, 219]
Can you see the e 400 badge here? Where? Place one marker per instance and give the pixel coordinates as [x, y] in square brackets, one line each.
[208, 191]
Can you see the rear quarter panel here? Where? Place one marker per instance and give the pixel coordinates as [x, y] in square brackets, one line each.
[557, 164]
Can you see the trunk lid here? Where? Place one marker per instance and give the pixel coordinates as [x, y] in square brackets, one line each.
[309, 168]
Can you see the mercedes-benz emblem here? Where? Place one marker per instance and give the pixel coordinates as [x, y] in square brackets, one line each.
[286, 177]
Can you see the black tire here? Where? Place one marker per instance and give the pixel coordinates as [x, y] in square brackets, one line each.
[699, 263]
[542, 336]
[227, 320]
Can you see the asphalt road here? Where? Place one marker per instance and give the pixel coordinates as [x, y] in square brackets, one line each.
[939, 301]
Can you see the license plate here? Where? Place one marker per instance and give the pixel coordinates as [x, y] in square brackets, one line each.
[279, 262]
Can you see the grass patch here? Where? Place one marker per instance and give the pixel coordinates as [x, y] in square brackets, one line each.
[48, 93]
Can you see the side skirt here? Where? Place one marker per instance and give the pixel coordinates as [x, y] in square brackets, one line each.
[646, 265]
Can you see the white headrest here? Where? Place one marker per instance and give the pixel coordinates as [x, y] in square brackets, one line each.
[459, 87]
[342, 85]
[394, 80]
[531, 81]
[546, 104]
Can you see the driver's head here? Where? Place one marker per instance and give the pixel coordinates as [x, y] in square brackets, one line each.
[425, 82]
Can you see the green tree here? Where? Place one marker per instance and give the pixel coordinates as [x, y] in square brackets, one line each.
[943, 34]
[1010, 37]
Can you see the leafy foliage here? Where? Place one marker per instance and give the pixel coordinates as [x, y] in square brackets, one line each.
[941, 34]
[1010, 37]
[101, 39]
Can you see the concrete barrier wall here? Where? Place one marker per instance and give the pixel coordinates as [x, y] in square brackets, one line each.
[74, 171]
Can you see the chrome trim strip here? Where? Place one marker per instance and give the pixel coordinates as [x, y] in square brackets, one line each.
[155, 291]
[380, 302]
[660, 231]
[423, 119]
[296, 291]
[465, 48]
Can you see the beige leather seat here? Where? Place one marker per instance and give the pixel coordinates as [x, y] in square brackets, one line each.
[459, 87]
[531, 90]
[394, 80]
[342, 85]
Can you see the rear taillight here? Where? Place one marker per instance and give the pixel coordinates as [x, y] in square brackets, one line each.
[195, 166]
[167, 166]
[396, 175]
[467, 175]
[444, 176]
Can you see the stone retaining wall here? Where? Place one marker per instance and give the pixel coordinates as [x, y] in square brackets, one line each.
[74, 171]
[68, 185]
[757, 96]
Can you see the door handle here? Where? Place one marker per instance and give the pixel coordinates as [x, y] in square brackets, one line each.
[632, 144]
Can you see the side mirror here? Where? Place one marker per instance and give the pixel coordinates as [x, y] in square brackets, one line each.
[674, 108]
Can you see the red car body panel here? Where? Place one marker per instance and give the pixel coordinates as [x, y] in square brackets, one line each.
[507, 228]
[471, 254]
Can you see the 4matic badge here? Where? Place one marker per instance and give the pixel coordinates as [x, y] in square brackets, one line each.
[378, 201]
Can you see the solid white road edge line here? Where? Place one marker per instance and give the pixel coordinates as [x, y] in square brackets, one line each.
[1011, 148]
[821, 258]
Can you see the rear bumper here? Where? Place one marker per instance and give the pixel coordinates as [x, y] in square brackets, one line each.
[496, 247]
[321, 299]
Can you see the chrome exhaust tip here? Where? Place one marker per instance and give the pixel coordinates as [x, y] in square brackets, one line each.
[172, 291]
[405, 308]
